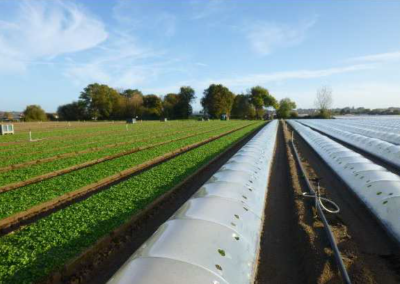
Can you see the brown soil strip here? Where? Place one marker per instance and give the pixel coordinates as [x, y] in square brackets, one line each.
[97, 264]
[22, 218]
[370, 255]
[280, 259]
[86, 151]
[40, 178]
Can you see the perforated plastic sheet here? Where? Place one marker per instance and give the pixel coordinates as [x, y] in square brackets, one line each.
[214, 237]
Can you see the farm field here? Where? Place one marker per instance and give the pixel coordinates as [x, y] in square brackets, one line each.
[76, 203]
[76, 185]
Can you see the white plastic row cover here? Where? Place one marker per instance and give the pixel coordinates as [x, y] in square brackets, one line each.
[214, 237]
[387, 134]
[378, 188]
[376, 123]
[377, 147]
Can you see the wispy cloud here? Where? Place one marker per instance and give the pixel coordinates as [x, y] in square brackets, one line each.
[145, 16]
[265, 37]
[44, 30]
[381, 57]
[263, 78]
[204, 9]
[120, 62]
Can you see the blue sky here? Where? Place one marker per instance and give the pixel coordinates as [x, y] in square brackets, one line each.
[50, 50]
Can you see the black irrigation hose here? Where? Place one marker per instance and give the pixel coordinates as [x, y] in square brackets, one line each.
[338, 257]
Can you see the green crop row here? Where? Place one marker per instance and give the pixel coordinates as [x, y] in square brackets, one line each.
[52, 143]
[33, 252]
[67, 131]
[44, 168]
[96, 142]
[21, 199]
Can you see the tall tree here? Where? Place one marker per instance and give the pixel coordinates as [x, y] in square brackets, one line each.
[34, 113]
[217, 100]
[100, 101]
[72, 111]
[286, 107]
[153, 107]
[129, 93]
[260, 98]
[242, 107]
[323, 101]
[184, 108]
[170, 104]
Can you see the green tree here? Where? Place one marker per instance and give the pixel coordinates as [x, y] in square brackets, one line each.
[184, 108]
[129, 93]
[153, 107]
[286, 107]
[72, 111]
[242, 107]
[34, 113]
[217, 100]
[134, 105]
[260, 98]
[101, 101]
[170, 103]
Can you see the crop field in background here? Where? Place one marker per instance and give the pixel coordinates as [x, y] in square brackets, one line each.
[118, 168]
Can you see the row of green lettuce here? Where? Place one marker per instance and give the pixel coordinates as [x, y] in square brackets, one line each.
[21, 136]
[23, 198]
[32, 171]
[56, 142]
[35, 251]
[126, 137]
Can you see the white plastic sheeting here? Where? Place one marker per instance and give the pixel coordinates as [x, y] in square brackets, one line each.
[378, 188]
[386, 151]
[214, 237]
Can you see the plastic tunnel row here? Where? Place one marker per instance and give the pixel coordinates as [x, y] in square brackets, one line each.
[376, 123]
[377, 147]
[214, 237]
[378, 188]
[388, 134]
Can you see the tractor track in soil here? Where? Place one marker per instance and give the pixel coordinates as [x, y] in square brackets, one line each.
[101, 261]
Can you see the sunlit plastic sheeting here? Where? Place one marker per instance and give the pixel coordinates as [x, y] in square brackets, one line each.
[368, 128]
[377, 147]
[378, 188]
[214, 237]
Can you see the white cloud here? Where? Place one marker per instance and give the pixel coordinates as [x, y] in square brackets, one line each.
[45, 30]
[120, 63]
[381, 57]
[201, 64]
[265, 37]
[263, 78]
[204, 9]
[145, 16]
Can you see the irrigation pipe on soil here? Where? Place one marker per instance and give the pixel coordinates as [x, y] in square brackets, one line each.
[320, 209]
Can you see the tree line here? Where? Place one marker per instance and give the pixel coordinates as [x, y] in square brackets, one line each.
[101, 102]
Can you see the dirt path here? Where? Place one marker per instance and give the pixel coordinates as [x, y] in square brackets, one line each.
[279, 260]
